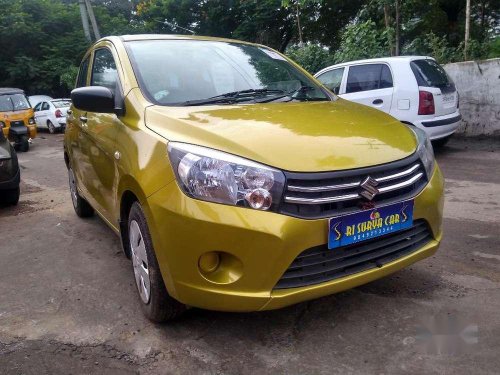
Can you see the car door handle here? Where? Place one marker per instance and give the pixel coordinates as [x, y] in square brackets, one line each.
[378, 101]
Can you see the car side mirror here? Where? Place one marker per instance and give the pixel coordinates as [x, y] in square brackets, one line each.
[95, 99]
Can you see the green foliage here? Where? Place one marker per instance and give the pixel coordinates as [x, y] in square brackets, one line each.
[312, 57]
[363, 40]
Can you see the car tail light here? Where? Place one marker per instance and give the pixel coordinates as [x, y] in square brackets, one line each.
[59, 113]
[425, 103]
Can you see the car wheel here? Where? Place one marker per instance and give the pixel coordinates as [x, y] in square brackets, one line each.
[81, 206]
[156, 303]
[24, 144]
[441, 142]
[52, 128]
[10, 197]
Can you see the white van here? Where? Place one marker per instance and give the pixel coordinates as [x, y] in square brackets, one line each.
[414, 89]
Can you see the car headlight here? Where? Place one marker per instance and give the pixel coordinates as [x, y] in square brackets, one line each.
[216, 176]
[425, 151]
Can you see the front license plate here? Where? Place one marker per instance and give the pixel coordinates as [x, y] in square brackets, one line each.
[368, 224]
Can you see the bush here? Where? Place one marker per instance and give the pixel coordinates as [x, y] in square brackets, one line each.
[312, 57]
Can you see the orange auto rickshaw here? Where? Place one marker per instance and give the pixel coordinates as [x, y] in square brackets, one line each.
[16, 118]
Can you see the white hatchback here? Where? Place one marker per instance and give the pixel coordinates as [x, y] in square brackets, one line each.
[414, 89]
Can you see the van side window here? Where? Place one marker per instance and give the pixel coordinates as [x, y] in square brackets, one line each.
[332, 79]
[82, 74]
[104, 71]
[45, 106]
[368, 77]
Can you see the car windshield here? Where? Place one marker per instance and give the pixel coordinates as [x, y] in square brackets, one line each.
[14, 102]
[196, 72]
[61, 103]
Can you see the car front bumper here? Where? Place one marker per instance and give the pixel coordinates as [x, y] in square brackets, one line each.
[260, 246]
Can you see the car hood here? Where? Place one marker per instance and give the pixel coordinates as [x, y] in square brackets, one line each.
[301, 137]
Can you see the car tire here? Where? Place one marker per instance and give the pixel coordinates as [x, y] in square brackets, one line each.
[438, 143]
[157, 304]
[11, 196]
[24, 144]
[82, 207]
[51, 127]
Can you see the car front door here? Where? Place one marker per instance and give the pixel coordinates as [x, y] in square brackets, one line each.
[332, 79]
[37, 111]
[41, 117]
[100, 136]
[371, 85]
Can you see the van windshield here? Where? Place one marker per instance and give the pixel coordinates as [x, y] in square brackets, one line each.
[196, 72]
[14, 102]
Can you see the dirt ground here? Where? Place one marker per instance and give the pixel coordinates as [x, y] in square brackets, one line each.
[68, 304]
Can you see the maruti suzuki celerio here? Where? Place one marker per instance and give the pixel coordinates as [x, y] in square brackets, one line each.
[237, 182]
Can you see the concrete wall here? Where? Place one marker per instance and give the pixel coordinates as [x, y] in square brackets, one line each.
[478, 83]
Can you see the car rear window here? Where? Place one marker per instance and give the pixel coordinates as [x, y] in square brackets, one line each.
[430, 74]
[368, 77]
[61, 103]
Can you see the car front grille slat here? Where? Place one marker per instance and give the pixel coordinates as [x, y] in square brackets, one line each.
[327, 194]
[320, 264]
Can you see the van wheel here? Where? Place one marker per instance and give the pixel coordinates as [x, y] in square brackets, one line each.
[10, 197]
[441, 142]
[81, 206]
[156, 303]
[52, 128]
[24, 144]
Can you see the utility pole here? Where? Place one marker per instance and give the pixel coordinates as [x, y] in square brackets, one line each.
[85, 20]
[467, 29]
[92, 20]
[396, 52]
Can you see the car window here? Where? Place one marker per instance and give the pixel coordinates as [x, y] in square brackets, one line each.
[174, 72]
[82, 74]
[37, 107]
[430, 74]
[368, 77]
[61, 103]
[104, 71]
[45, 106]
[332, 79]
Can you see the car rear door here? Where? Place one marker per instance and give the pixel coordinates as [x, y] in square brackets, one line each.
[431, 77]
[370, 84]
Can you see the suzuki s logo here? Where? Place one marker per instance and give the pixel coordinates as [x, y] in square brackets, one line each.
[369, 188]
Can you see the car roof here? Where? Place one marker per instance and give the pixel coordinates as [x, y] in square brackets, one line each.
[10, 90]
[129, 38]
[379, 59]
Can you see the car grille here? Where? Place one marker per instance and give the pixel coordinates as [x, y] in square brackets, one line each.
[320, 264]
[17, 123]
[326, 194]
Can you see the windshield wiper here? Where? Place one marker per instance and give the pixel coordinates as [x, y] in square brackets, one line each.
[291, 94]
[233, 97]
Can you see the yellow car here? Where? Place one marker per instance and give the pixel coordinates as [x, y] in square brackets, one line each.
[237, 182]
[16, 118]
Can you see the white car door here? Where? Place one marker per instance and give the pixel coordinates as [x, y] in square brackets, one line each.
[36, 109]
[370, 84]
[42, 114]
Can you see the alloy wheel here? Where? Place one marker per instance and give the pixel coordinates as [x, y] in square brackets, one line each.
[72, 188]
[140, 261]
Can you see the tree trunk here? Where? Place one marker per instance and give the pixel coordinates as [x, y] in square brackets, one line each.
[387, 22]
[467, 29]
[85, 20]
[396, 52]
[299, 28]
[95, 28]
